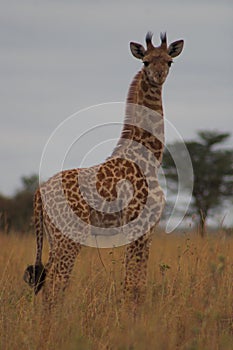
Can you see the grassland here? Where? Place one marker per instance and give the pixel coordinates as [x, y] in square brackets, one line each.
[189, 304]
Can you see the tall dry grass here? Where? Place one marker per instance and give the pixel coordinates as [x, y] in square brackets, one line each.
[189, 303]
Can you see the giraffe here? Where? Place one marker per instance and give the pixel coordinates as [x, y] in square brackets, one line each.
[73, 193]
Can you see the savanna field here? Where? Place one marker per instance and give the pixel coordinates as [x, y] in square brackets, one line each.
[189, 303]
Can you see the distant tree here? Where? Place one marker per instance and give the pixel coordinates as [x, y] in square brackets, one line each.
[30, 183]
[16, 212]
[6, 212]
[213, 173]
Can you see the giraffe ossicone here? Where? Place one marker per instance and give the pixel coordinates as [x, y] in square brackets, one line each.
[121, 197]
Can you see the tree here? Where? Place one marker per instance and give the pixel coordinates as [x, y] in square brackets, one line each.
[30, 183]
[213, 173]
[16, 212]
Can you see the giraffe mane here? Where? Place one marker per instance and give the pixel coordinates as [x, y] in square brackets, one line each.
[131, 99]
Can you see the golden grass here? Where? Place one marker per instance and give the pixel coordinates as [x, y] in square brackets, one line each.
[189, 303]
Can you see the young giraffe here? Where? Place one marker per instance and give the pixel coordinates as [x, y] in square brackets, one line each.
[69, 197]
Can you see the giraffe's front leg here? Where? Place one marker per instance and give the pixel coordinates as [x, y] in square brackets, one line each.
[136, 259]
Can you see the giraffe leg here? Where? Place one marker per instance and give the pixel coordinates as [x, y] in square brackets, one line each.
[136, 259]
[58, 271]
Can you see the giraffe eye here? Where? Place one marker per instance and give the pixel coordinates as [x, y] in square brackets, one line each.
[146, 63]
[170, 63]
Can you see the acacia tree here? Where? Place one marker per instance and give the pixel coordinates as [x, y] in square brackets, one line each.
[213, 173]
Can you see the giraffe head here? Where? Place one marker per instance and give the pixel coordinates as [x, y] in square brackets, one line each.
[156, 60]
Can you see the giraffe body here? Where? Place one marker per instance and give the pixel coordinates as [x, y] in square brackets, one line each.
[121, 196]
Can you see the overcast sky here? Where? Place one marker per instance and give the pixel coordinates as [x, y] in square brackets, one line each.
[58, 57]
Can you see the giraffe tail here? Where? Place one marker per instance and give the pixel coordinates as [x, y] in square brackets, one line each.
[34, 275]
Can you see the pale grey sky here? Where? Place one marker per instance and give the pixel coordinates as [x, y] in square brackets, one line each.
[58, 57]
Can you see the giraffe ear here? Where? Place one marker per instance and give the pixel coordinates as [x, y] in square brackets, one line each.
[137, 50]
[175, 48]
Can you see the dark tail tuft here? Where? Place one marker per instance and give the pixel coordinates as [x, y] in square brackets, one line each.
[34, 275]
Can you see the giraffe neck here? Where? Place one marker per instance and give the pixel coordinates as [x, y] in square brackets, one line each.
[141, 92]
[144, 122]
